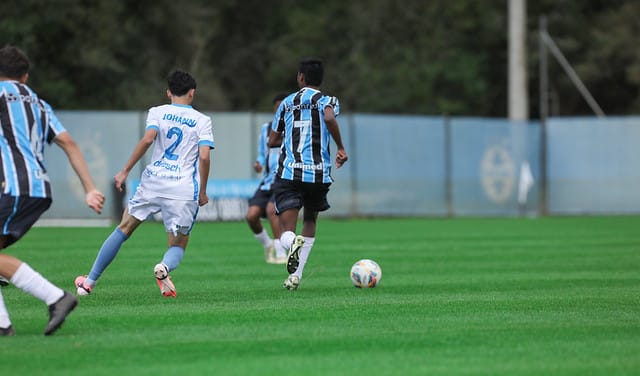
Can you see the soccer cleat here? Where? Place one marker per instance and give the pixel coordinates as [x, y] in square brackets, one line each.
[270, 254]
[292, 282]
[59, 311]
[3, 282]
[81, 288]
[294, 254]
[164, 281]
[280, 260]
[7, 332]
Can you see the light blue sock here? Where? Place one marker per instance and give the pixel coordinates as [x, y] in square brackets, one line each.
[107, 253]
[172, 257]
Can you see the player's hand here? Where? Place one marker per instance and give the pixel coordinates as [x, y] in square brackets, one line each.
[341, 157]
[119, 180]
[257, 167]
[203, 199]
[95, 200]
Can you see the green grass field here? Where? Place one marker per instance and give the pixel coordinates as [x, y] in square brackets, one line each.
[548, 296]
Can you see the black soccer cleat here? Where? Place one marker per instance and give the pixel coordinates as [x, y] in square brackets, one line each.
[294, 254]
[7, 332]
[59, 311]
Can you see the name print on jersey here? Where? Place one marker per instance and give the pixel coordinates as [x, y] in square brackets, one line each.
[180, 120]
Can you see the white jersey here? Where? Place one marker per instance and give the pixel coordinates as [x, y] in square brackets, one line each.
[173, 171]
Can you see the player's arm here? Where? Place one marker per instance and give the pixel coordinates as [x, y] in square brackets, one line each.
[205, 163]
[261, 160]
[275, 139]
[334, 130]
[93, 197]
[140, 149]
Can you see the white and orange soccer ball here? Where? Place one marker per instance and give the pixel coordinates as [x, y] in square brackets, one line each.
[365, 274]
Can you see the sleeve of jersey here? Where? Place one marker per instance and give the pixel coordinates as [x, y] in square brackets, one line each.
[206, 134]
[334, 103]
[262, 143]
[152, 119]
[277, 125]
[54, 125]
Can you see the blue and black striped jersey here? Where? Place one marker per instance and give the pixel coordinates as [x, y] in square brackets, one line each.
[26, 124]
[267, 157]
[305, 147]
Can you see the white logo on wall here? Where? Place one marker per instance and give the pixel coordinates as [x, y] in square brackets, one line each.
[497, 173]
[96, 159]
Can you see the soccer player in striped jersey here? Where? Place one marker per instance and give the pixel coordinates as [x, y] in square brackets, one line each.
[261, 204]
[27, 123]
[173, 183]
[304, 124]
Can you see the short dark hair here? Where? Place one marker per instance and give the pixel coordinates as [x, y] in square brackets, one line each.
[279, 97]
[180, 82]
[14, 63]
[313, 71]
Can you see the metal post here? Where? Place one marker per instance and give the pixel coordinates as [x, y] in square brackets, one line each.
[548, 41]
[518, 93]
[544, 113]
[448, 181]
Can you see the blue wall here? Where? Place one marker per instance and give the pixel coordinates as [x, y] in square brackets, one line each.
[399, 165]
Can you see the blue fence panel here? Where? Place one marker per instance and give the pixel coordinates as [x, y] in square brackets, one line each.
[486, 160]
[593, 165]
[398, 165]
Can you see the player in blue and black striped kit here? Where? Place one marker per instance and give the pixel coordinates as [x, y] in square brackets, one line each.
[27, 123]
[261, 203]
[304, 125]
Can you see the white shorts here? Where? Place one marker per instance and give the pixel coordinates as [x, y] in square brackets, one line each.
[178, 216]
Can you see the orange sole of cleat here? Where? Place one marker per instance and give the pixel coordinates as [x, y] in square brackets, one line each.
[166, 294]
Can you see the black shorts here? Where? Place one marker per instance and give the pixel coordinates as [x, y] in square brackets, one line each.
[261, 198]
[18, 214]
[289, 194]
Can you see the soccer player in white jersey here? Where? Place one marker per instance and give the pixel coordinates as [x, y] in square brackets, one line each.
[27, 124]
[304, 124]
[174, 182]
[261, 203]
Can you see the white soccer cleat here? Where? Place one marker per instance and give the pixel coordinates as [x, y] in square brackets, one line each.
[270, 254]
[292, 282]
[81, 288]
[167, 288]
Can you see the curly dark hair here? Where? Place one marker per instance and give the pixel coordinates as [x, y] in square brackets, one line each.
[180, 82]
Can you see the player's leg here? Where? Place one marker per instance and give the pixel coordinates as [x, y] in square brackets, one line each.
[6, 329]
[280, 251]
[107, 253]
[309, 220]
[179, 218]
[170, 261]
[315, 201]
[255, 213]
[17, 215]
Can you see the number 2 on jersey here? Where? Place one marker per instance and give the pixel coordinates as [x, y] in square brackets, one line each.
[168, 152]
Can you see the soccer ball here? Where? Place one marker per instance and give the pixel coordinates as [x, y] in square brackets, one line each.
[365, 273]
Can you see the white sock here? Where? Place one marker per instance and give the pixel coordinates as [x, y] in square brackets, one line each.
[28, 280]
[5, 322]
[280, 250]
[304, 255]
[264, 239]
[286, 240]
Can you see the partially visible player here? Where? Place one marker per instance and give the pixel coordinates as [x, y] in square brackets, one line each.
[261, 204]
[27, 123]
[174, 183]
[304, 124]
